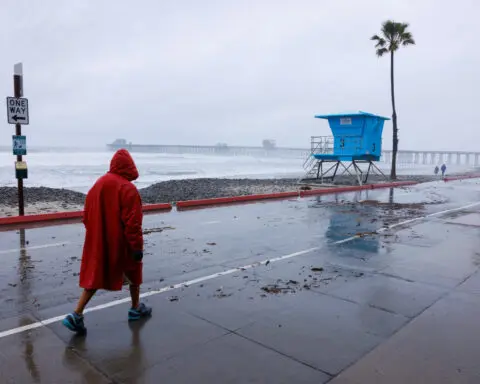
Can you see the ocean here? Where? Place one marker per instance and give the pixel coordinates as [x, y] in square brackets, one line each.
[78, 169]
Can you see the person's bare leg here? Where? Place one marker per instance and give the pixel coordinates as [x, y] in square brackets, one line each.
[85, 297]
[135, 295]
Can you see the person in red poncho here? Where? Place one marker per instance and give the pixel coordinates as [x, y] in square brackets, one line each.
[113, 246]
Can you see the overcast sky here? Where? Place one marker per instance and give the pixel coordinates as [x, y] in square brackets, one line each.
[203, 71]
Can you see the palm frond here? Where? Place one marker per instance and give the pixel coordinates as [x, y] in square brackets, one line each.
[381, 51]
[381, 42]
[408, 42]
[389, 29]
[402, 28]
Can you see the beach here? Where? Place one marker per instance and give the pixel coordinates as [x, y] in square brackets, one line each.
[45, 200]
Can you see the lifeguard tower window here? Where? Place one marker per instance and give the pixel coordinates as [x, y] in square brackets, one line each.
[357, 138]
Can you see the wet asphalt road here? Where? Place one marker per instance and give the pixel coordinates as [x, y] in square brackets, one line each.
[342, 289]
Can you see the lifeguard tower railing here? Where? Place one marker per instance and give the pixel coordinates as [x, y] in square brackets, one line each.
[318, 144]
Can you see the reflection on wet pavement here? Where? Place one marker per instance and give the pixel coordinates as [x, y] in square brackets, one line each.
[24, 304]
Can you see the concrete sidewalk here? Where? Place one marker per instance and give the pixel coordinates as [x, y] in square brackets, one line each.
[335, 302]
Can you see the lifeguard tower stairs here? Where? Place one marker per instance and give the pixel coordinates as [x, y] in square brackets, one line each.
[352, 151]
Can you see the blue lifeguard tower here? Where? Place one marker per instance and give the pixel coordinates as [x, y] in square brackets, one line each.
[357, 139]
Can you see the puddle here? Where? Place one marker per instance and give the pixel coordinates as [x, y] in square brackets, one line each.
[382, 204]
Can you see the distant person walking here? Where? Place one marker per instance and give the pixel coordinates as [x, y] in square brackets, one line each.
[436, 170]
[113, 241]
[444, 169]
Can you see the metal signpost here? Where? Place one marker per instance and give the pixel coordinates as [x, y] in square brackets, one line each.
[17, 113]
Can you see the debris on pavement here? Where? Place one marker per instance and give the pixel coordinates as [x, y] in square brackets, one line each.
[363, 234]
[276, 289]
[221, 295]
[272, 289]
[155, 230]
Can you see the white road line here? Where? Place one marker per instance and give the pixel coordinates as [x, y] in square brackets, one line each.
[348, 239]
[405, 222]
[431, 215]
[46, 322]
[211, 222]
[35, 247]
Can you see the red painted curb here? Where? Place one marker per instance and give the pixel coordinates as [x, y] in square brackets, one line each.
[157, 207]
[58, 216]
[394, 184]
[280, 195]
[453, 178]
[235, 199]
[29, 219]
[330, 190]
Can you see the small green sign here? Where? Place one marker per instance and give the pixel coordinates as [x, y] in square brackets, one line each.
[19, 145]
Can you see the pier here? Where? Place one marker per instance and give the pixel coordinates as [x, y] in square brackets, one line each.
[419, 157]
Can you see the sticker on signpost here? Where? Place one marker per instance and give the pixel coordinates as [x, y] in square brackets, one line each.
[19, 145]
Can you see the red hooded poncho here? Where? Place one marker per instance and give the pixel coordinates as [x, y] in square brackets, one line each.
[113, 222]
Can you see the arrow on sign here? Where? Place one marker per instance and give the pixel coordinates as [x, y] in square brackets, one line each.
[16, 118]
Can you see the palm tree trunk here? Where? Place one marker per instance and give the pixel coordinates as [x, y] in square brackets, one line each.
[393, 172]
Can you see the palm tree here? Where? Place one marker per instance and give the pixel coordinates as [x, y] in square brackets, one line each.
[393, 36]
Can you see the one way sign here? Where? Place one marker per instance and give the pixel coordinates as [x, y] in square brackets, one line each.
[17, 110]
